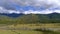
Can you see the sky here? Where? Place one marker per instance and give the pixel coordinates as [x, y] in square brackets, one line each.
[29, 6]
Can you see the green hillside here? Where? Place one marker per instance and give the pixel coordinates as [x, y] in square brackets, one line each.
[31, 18]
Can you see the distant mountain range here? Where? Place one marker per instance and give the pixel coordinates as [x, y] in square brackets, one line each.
[29, 18]
[11, 15]
[17, 15]
[41, 18]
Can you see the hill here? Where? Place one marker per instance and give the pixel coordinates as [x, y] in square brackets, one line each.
[29, 18]
[13, 15]
[40, 18]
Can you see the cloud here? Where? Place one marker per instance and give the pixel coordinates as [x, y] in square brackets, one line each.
[47, 11]
[12, 4]
[35, 6]
[41, 12]
[3, 10]
[38, 12]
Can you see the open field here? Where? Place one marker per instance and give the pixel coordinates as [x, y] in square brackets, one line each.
[33, 26]
[19, 32]
[30, 28]
[26, 32]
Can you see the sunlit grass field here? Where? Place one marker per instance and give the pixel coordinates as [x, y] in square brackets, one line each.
[25, 32]
[29, 28]
[55, 25]
[19, 32]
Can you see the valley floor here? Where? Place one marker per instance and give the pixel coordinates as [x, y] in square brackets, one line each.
[29, 28]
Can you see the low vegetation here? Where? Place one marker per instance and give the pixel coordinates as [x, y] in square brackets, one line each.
[30, 24]
[30, 19]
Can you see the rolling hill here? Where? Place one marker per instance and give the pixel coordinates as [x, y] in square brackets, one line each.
[29, 18]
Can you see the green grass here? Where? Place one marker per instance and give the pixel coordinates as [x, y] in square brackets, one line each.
[27, 32]
[57, 25]
[19, 32]
[31, 26]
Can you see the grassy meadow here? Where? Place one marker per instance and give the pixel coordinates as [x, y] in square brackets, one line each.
[30, 29]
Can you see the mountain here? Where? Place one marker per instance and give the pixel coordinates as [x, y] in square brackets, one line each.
[52, 18]
[40, 18]
[54, 15]
[29, 18]
[12, 15]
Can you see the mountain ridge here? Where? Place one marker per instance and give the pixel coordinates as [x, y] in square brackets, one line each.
[30, 18]
[17, 15]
